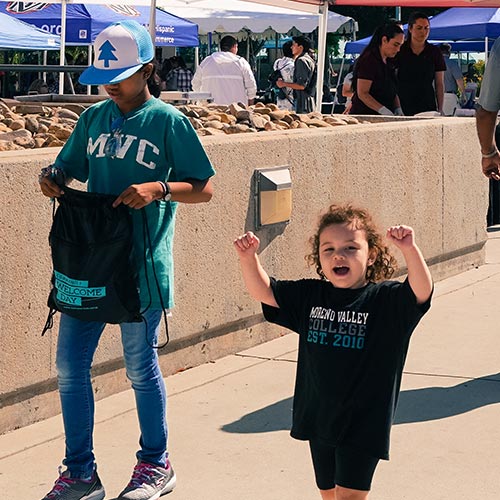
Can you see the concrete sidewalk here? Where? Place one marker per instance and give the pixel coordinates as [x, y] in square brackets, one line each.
[229, 419]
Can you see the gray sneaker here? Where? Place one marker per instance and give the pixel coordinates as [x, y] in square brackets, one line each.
[68, 488]
[149, 482]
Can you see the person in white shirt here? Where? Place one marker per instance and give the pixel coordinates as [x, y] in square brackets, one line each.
[285, 65]
[227, 76]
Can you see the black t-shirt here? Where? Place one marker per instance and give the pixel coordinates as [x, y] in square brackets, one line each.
[383, 78]
[416, 75]
[352, 349]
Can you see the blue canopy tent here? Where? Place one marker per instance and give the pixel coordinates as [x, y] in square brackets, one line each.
[85, 21]
[466, 24]
[456, 46]
[466, 29]
[15, 34]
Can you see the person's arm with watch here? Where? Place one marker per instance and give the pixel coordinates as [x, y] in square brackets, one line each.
[187, 191]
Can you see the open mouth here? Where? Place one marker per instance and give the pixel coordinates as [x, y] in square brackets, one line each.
[341, 270]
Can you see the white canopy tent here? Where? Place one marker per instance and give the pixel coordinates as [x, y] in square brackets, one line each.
[232, 16]
[258, 16]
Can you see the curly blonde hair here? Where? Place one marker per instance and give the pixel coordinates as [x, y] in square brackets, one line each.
[384, 265]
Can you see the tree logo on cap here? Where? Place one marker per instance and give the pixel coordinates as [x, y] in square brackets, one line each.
[106, 53]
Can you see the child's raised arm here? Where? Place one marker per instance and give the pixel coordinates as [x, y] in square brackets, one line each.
[255, 277]
[419, 276]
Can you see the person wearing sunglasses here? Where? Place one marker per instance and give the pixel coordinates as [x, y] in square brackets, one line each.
[145, 152]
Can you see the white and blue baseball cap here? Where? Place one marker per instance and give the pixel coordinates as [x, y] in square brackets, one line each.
[120, 50]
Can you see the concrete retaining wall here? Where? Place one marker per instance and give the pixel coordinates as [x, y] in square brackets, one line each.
[424, 173]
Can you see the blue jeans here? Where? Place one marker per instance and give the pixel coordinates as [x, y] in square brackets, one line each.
[76, 346]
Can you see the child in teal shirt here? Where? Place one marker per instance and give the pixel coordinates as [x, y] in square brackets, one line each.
[146, 153]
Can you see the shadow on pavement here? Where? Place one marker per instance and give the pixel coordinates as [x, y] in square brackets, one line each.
[415, 405]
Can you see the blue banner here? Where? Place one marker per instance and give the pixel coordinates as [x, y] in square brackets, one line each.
[85, 22]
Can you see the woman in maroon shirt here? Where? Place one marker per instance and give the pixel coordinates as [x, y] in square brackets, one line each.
[374, 79]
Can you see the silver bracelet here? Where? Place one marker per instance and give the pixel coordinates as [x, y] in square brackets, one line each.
[164, 189]
[490, 155]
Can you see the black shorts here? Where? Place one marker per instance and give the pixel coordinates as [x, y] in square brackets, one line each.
[343, 466]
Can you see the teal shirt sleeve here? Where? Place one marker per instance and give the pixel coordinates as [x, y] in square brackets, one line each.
[73, 157]
[185, 151]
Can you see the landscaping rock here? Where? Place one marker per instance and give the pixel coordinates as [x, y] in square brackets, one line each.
[67, 113]
[18, 124]
[9, 146]
[16, 134]
[32, 125]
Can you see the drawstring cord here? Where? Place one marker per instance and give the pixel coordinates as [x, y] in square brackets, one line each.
[49, 323]
[147, 239]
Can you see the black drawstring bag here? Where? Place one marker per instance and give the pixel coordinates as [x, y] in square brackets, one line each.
[95, 275]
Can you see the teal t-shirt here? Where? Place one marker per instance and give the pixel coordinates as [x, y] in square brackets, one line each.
[156, 143]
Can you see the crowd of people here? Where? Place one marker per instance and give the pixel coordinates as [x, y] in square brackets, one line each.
[229, 78]
[394, 75]
[398, 75]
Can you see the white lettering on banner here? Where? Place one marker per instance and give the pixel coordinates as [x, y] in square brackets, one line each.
[165, 29]
[52, 28]
[165, 39]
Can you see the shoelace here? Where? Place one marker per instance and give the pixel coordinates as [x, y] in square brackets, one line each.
[142, 473]
[60, 485]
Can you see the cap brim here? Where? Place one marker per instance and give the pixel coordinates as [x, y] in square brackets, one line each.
[95, 76]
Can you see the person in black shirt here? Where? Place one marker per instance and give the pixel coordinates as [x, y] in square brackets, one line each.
[420, 69]
[374, 78]
[354, 333]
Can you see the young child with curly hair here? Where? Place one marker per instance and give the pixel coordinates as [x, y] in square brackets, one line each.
[354, 331]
